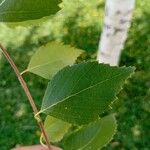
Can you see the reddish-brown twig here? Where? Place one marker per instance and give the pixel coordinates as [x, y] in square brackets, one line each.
[28, 94]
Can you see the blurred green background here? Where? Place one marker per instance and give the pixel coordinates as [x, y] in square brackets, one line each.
[79, 25]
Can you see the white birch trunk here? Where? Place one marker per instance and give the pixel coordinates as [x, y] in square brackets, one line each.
[118, 14]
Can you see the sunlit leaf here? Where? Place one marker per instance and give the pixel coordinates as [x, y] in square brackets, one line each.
[79, 93]
[55, 128]
[49, 59]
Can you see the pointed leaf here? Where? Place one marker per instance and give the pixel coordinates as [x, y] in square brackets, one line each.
[51, 58]
[93, 136]
[55, 128]
[79, 93]
[23, 10]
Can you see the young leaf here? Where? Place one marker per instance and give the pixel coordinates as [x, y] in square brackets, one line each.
[23, 10]
[51, 58]
[55, 128]
[79, 93]
[93, 136]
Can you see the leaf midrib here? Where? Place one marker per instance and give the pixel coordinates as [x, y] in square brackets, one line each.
[39, 66]
[99, 130]
[80, 92]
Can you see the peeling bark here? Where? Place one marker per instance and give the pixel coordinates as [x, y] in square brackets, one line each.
[118, 14]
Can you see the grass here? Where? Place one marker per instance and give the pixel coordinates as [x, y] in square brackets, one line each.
[17, 126]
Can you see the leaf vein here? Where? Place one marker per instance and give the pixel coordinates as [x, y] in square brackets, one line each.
[42, 110]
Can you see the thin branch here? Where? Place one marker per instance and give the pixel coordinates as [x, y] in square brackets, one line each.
[28, 94]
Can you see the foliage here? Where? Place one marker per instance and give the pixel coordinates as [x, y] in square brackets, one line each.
[56, 128]
[49, 59]
[92, 135]
[133, 130]
[84, 88]
[20, 10]
[77, 94]
[77, 87]
[81, 26]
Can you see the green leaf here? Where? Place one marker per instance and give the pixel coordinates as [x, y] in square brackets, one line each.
[79, 93]
[49, 59]
[93, 136]
[23, 10]
[55, 128]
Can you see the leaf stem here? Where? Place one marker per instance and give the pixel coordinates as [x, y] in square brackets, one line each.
[28, 94]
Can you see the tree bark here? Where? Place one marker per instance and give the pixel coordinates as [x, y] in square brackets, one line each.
[118, 14]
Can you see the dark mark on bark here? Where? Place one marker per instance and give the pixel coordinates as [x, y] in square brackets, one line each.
[123, 21]
[116, 30]
[118, 12]
[104, 54]
[107, 26]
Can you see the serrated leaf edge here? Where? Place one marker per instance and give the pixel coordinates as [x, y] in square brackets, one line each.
[116, 126]
[115, 96]
[115, 130]
[29, 69]
[98, 133]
